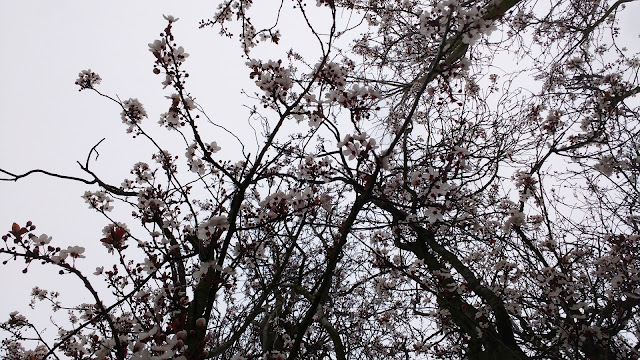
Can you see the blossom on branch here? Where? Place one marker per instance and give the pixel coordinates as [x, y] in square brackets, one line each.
[87, 79]
[132, 114]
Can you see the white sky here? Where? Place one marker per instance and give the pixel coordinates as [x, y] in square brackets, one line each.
[47, 124]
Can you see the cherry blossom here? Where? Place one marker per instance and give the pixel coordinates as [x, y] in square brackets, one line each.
[405, 193]
[87, 79]
[42, 240]
[170, 18]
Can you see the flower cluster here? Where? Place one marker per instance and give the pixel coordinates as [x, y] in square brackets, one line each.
[132, 114]
[315, 118]
[271, 78]
[214, 225]
[356, 146]
[196, 164]
[280, 204]
[98, 200]
[333, 75]
[87, 79]
[174, 118]
[429, 188]
[150, 203]
[620, 266]
[142, 172]
[606, 165]
[75, 252]
[171, 119]
[468, 19]
[476, 29]
[516, 218]
[526, 185]
[167, 162]
[358, 99]
[309, 169]
[165, 54]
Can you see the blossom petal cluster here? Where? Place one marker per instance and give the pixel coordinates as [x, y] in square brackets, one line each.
[87, 79]
[132, 114]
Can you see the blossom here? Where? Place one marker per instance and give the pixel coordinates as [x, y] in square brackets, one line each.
[39, 293]
[333, 74]
[351, 150]
[212, 147]
[288, 341]
[191, 151]
[606, 165]
[98, 200]
[149, 266]
[132, 113]
[369, 143]
[87, 79]
[61, 257]
[127, 184]
[197, 166]
[170, 120]
[109, 229]
[271, 77]
[42, 240]
[17, 319]
[207, 228]
[434, 214]
[142, 172]
[167, 81]
[147, 335]
[176, 99]
[516, 219]
[460, 151]
[315, 119]
[75, 251]
[157, 46]
[170, 18]
[205, 266]
[179, 54]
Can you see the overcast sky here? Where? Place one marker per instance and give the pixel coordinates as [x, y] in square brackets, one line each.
[47, 124]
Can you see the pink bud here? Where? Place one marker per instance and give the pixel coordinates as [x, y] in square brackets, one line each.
[201, 322]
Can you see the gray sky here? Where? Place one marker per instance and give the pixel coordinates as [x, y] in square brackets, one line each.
[47, 124]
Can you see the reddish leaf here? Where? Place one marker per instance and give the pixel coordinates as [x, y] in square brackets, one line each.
[118, 234]
[107, 240]
[116, 238]
[18, 231]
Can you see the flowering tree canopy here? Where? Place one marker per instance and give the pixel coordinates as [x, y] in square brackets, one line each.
[429, 180]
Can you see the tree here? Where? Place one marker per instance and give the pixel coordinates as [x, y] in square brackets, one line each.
[411, 194]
